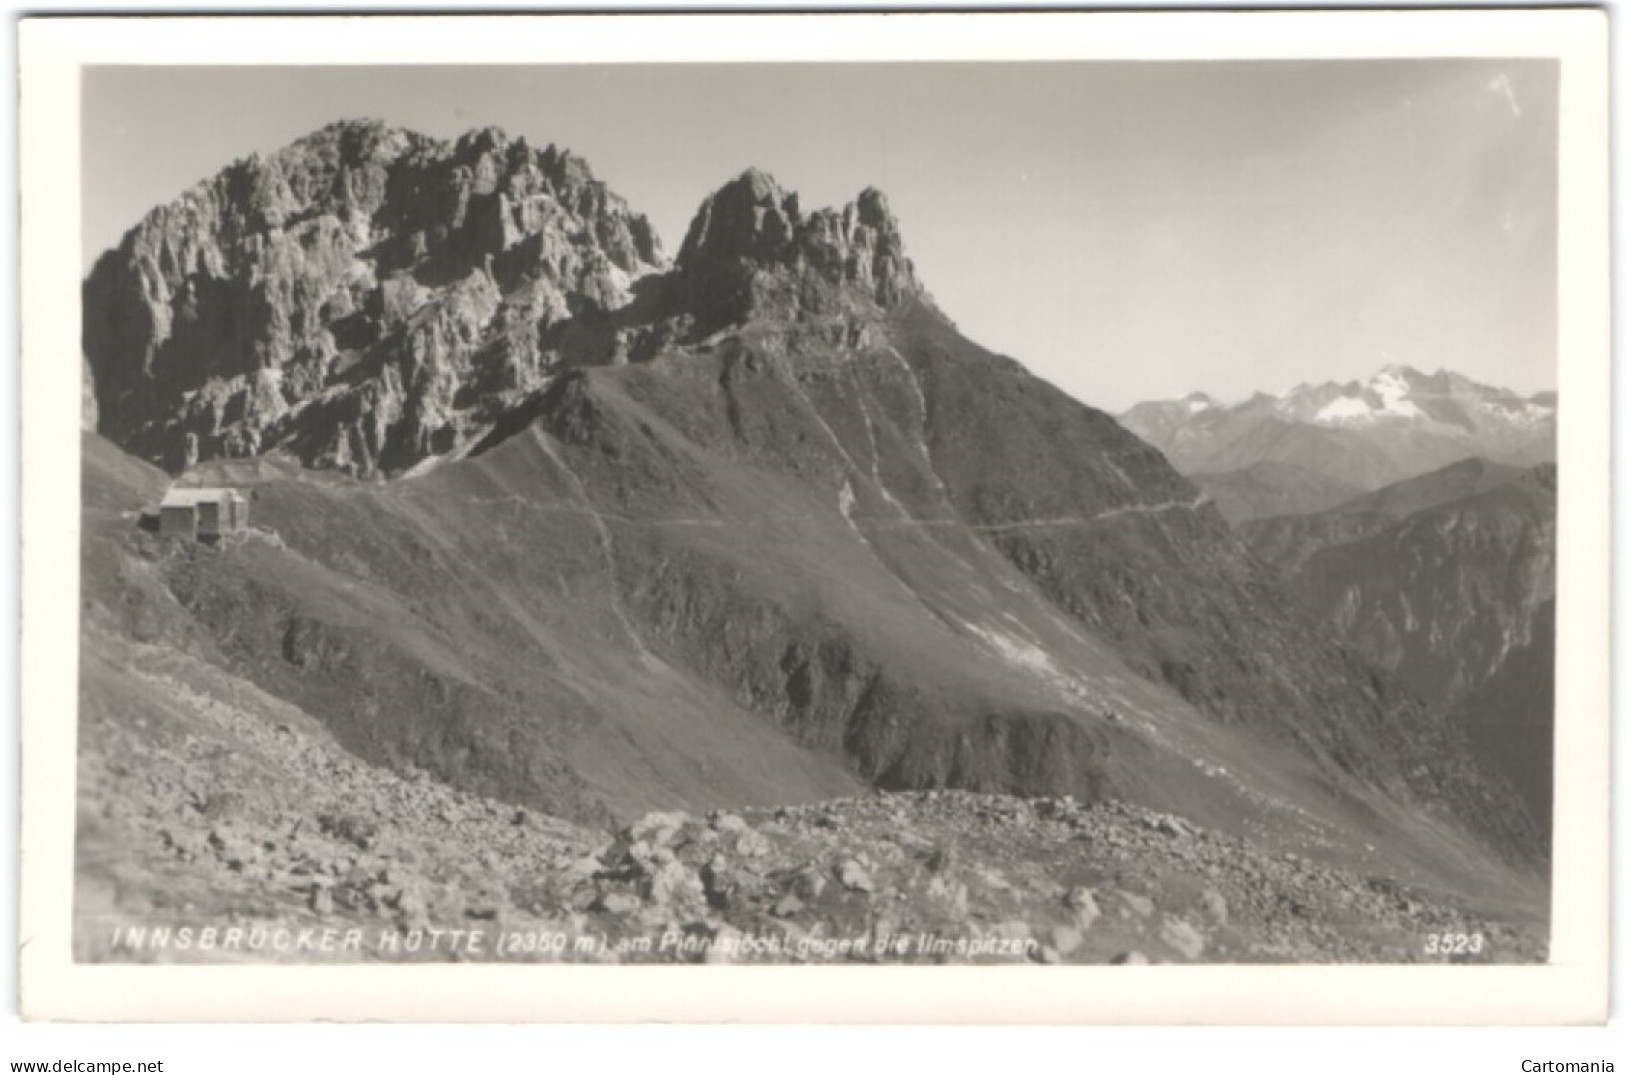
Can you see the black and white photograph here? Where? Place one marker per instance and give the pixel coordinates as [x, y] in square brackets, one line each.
[917, 512]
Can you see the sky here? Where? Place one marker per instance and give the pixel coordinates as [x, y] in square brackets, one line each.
[1127, 230]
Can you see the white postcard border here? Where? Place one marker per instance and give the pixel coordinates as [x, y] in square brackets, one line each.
[1571, 988]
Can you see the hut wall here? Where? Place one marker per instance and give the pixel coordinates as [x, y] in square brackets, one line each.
[177, 520]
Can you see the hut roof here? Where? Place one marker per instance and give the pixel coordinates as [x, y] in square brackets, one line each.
[188, 498]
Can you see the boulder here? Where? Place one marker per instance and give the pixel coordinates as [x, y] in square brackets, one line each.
[1066, 939]
[852, 874]
[1136, 904]
[673, 884]
[787, 906]
[1182, 937]
[657, 829]
[1085, 909]
[752, 844]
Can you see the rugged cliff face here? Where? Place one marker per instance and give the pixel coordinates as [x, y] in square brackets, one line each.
[744, 530]
[363, 299]
[369, 298]
[752, 250]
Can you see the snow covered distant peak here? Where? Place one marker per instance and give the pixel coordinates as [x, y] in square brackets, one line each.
[1394, 393]
[1397, 423]
[1393, 385]
[1386, 397]
[1346, 410]
[1399, 372]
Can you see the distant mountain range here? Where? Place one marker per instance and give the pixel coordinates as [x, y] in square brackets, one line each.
[1362, 434]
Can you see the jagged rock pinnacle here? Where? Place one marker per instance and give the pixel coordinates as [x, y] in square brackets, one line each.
[749, 218]
[751, 243]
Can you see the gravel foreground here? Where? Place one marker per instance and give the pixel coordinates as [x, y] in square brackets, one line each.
[216, 827]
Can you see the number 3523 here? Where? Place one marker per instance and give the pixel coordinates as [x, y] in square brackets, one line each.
[1453, 944]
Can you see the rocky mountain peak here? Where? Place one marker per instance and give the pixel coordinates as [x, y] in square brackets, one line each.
[1399, 371]
[752, 249]
[750, 218]
[874, 209]
[356, 138]
[364, 297]
[367, 296]
[482, 140]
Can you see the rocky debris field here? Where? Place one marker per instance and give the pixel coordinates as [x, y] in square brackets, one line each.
[207, 805]
[948, 876]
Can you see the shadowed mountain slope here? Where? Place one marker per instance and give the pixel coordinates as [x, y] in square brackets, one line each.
[1510, 718]
[1288, 540]
[1436, 579]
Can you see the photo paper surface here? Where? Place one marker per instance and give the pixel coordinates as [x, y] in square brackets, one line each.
[1007, 518]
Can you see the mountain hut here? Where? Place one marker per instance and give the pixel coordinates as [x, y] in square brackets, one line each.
[202, 513]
